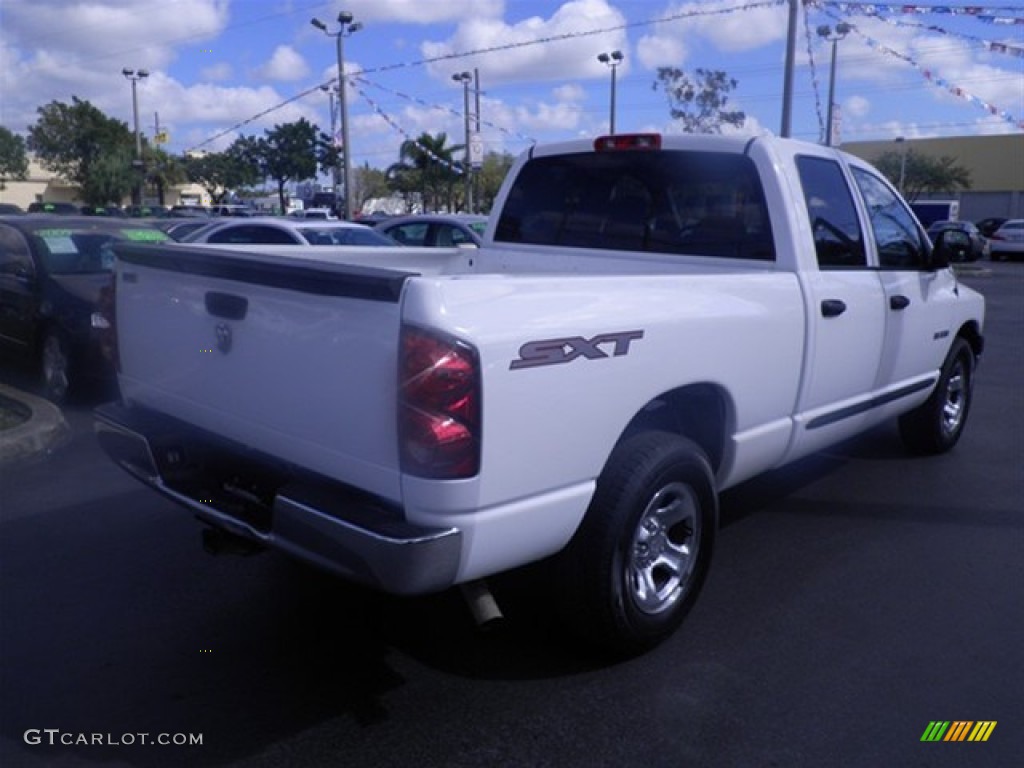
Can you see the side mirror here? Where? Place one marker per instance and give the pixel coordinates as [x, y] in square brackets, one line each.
[951, 246]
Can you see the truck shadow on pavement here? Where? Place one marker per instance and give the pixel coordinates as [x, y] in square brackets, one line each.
[143, 633]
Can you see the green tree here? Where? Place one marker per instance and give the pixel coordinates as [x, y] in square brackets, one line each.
[426, 166]
[490, 178]
[923, 174]
[286, 153]
[70, 139]
[13, 157]
[369, 183]
[699, 101]
[111, 176]
[163, 170]
[219, 173]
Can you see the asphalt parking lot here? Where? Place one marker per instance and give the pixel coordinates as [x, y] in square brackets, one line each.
[857, 597]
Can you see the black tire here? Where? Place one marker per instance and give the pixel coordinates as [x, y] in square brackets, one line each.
[636, 565]
[936, 426]
[55, 367]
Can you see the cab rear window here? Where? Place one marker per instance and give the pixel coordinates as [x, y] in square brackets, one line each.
[677, 202]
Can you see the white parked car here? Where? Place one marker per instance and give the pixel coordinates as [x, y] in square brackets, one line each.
[271, 231]
[314, 213]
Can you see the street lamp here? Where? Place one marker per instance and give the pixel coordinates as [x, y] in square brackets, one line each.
[611, 60]
[903, 161]
[346, 27]
[135, 76]
[833, 36]
[335, 174]
[465, 78]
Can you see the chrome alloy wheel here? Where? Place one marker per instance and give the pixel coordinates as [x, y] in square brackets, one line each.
[665, 548]
[954, 402]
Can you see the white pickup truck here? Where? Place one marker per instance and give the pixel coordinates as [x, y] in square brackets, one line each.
[650, 320]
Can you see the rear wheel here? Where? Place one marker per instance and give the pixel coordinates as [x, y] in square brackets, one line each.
[936, 426]
[638, 561]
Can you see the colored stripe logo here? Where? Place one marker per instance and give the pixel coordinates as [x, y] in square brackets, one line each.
[959, 730]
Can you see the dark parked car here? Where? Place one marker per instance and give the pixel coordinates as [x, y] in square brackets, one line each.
[977, 247]
[53, 272]
[178, 229]
[990, 225]
[436, 230]
[9, 208]
[64, 209]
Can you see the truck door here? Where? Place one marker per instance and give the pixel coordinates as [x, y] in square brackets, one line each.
[918, 301]
[846, 322]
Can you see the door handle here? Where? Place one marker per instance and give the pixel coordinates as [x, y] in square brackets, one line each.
[898, 302]
[832, 308]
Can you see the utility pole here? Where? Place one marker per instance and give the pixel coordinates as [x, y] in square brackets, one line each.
[346, 28]
[787, 83]
[833, 36]
[465, 78]
[134, 76]
[612, 60]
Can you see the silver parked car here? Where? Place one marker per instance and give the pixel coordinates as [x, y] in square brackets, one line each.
[271, 231]
[1008, 240]
[436, 230]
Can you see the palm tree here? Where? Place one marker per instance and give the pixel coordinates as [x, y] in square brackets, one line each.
[426, 165]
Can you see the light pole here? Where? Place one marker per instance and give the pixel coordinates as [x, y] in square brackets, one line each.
[135, 76]
[903, 161]
[612, 61]
[465, 78]
[833, 36]
[335, 175]
[346, 27]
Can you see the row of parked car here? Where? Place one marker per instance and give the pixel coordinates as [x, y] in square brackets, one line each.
[55, 273]
[994, 238]
[55, 270]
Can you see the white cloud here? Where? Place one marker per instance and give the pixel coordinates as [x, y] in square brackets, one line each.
[217, 72]
[83, 31]
[661, 51]
[422, 11]
[856, 106]
[286, 64]
[519, 60]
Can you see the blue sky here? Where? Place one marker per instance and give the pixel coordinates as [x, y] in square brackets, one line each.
[221, 68]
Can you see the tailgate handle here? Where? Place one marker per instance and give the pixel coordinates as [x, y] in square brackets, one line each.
[226, 305]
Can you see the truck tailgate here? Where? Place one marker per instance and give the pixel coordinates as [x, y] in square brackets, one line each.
[269, 351]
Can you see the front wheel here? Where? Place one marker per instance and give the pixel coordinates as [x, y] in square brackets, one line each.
[638, 561]
[936, 426]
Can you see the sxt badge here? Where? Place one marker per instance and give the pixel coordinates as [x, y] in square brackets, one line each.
[556, 351]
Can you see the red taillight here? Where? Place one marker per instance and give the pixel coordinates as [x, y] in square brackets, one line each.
[439, 405]
[621, 141]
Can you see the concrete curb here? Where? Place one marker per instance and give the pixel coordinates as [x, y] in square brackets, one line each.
[44, 429]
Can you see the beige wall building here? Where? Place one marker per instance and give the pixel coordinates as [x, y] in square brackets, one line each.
[45, 186]
[996, 164]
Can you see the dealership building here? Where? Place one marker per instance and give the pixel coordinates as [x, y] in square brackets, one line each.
[996, 165]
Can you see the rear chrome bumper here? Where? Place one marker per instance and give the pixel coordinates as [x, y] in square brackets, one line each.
[310, 518]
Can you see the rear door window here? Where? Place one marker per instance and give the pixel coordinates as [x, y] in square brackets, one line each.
[838, 240]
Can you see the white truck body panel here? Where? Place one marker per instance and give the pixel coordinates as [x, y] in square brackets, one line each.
[312, 379]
